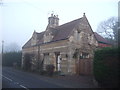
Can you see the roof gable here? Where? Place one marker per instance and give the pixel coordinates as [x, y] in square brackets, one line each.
[63, 32]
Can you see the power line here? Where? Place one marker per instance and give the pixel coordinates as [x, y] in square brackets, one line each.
[31, 5]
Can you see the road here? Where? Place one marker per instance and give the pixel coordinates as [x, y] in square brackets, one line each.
[12, 78]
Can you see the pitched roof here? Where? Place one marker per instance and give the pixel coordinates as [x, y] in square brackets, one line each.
[100, 38]
[62, 32]
[27, 44]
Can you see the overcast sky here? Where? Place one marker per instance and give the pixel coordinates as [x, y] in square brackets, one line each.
[19, 18]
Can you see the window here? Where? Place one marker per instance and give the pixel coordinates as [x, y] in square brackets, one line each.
[75, 35]
[78, 36]
[46, 58]
[84, 55]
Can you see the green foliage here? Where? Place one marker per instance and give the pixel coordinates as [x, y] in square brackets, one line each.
[12, 57]
[106, 66]
[50, 69]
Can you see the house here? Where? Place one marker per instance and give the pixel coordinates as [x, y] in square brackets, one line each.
[69, 47]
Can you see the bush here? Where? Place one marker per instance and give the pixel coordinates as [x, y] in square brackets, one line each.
[50, 69]
[27, 61]
[106, 67]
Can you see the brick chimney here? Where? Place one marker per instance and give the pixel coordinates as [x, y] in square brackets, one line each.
[53, 20]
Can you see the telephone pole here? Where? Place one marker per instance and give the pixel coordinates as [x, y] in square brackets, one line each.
[2, 47]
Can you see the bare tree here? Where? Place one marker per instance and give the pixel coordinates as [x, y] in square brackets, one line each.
[109, 29]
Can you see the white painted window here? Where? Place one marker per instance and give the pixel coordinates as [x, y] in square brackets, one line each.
[59, 60]
[46, 58]
[75, 35]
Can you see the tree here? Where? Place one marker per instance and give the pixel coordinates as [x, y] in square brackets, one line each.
[115, 32]
[119, 33]
[109, 29]
[9, 58]
[12, 47]
[28, 58]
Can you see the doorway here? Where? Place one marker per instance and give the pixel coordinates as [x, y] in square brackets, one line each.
[84, 64]
[58, 61]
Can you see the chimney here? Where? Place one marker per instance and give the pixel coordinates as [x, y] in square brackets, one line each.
[53, 20]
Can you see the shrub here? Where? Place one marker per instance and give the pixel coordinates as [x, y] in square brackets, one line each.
[106, 67]
[50, 69]
[27, 61]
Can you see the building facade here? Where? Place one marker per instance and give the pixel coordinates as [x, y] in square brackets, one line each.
[69, 47]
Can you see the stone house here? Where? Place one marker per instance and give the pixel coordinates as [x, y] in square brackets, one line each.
[69, 47]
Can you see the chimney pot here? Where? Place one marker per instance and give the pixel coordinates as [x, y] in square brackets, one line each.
[83, 14]
[52, 15]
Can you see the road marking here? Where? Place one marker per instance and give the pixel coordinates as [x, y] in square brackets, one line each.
[8, 78]
[15, 82]
[24, 87]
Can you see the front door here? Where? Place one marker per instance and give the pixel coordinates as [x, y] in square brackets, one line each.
[57, 54]
[84, 64]
[58, 63]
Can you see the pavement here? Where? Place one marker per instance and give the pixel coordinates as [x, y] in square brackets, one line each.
[74, 81]
[32, 80]
[77, 81]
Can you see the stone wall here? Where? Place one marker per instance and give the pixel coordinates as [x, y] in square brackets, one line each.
[82, 38]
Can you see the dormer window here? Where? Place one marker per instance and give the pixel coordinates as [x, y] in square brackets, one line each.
[48, 38]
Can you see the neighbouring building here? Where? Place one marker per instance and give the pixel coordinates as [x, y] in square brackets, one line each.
[101, 41]
[69, 47]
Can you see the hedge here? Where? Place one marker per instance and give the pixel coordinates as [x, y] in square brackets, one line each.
[106, 67]
[12, 57]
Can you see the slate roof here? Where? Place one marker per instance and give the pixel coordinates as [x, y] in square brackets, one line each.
[62, 32]
[100, 39]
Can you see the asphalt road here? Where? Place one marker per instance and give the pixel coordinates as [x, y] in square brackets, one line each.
[12, 78]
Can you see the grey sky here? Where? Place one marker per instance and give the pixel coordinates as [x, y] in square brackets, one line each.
[19, 18]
